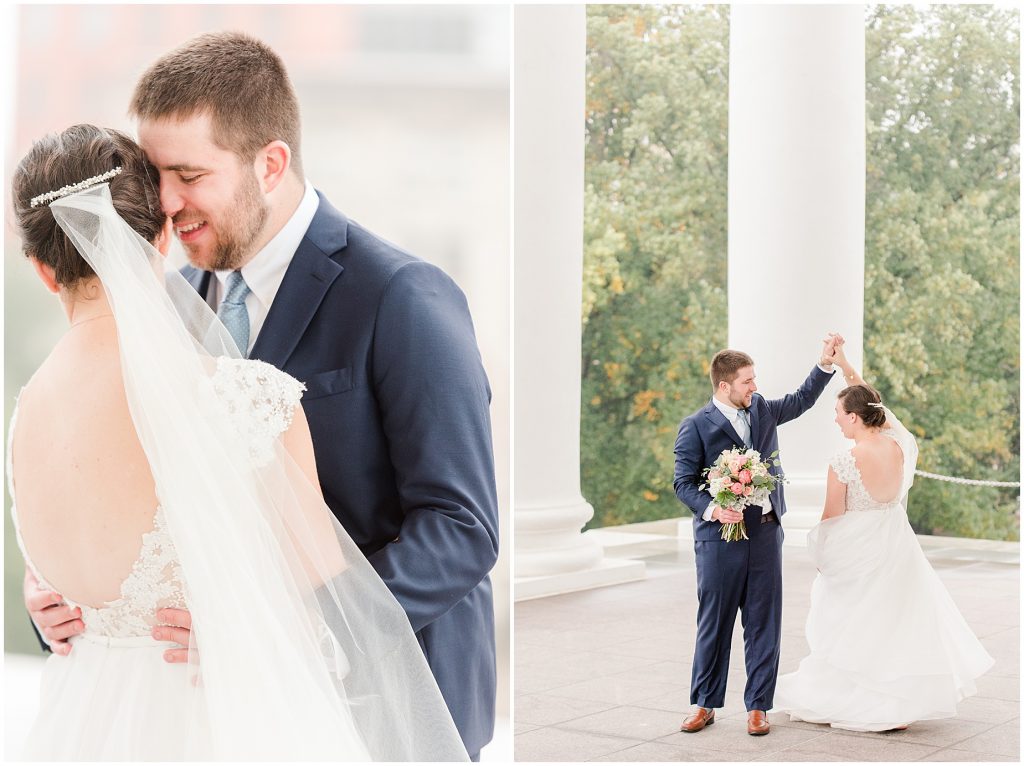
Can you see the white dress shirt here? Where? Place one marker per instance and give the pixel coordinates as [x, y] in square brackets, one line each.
[265, 272]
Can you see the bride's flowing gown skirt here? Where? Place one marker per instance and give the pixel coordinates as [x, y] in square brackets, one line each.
[111, 699]
[888, 645]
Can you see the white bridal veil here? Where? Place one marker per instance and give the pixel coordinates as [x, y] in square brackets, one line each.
[299, 651]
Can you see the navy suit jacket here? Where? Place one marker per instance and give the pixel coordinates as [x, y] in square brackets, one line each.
[398, 407]
[705, 434]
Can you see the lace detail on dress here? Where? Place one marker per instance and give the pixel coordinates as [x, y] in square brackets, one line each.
[857, 497]
[155, 582]
[262, 401]
[262, 398]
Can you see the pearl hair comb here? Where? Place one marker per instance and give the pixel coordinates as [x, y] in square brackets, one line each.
[72, 188]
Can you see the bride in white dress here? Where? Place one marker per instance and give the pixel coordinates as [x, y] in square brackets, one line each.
[153, 467]
[888, 645]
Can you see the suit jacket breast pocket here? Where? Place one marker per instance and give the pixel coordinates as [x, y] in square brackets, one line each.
[328, 383]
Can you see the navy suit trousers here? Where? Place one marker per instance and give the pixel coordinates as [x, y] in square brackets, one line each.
[743, 576]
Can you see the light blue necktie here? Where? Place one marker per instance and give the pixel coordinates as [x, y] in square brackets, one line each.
[233, 313]
[747, 436]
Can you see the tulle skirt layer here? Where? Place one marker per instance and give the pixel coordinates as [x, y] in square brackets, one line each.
[112, 700]
[888, 645]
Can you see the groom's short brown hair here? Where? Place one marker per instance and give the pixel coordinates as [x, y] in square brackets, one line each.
[726, 364]
[238, 80]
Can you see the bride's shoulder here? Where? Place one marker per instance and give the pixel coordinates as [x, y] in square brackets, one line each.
[844, 465]
[256, 374]
[252, 384]
[260, 399]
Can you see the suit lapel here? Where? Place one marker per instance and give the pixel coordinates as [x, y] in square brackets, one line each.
[310, 274]
[305, 283]
[715, 416]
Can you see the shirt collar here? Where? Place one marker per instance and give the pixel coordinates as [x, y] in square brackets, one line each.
[264, 273]
[728, 410]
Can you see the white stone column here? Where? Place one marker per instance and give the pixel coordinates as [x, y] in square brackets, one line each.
[796, 215]
[551, 554]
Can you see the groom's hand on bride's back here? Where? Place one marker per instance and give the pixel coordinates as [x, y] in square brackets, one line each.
[54, 619]
[174, 625]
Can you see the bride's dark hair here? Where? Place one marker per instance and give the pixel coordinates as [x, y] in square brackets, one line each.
[859, 400]
[62, 159]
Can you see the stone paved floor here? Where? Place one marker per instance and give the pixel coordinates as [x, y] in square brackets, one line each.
[603, 675]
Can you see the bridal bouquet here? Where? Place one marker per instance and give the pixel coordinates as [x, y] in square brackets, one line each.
[738, 478]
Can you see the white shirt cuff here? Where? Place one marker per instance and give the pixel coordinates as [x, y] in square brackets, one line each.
[829, 369]
[707, 511]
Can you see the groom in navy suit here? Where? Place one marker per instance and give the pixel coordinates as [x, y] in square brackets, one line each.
[744, 575]
[396, 395]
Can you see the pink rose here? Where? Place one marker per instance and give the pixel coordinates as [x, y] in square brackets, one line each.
[735, 464]
[737, 488]
[748, 491]
[745, 476]
[715, 474]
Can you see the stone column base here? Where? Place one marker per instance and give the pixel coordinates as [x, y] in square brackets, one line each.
[604, 572]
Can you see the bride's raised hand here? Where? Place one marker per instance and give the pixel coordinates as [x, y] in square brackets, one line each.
[175, 625]
[839, 355]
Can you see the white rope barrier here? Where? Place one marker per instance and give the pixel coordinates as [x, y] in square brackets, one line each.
[971, 482]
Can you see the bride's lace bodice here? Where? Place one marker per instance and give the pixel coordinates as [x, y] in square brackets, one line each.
[261, 400]
[857, 497]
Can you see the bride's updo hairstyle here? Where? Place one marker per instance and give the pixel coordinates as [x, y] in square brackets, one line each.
[859, 400]
[61, 159]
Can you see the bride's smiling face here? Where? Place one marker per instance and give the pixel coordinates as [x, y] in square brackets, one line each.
[213, 198]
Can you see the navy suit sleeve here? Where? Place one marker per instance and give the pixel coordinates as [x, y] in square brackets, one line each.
[434, 403]
[793, 405]
[689, 465]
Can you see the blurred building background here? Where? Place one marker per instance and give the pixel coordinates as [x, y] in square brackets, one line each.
[405, 128]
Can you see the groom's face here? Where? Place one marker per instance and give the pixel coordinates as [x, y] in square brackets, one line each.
[213, 198]
[741, 391]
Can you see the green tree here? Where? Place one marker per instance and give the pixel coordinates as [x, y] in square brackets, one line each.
[654, 299]
[942, 294]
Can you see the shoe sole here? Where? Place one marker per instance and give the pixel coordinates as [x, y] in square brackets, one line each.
[758, 733]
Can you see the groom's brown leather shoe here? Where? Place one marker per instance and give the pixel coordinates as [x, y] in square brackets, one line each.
[757, 723]
[698, 720]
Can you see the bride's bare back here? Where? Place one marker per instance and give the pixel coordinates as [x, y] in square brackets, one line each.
[880, 463]
[85, 493]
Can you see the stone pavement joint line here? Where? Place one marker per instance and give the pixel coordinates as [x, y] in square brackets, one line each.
[604, 674]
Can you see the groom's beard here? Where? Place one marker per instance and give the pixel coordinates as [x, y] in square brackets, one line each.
[248, 212]
[738, 401]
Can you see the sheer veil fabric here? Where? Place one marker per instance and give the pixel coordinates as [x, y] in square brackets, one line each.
[299, 651]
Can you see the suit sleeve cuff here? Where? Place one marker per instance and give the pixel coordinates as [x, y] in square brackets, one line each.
[827, 369]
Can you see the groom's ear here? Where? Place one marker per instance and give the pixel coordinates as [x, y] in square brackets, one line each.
[272, 163]
[46, 274]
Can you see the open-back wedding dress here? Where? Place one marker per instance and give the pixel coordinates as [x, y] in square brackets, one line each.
[888, 645]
